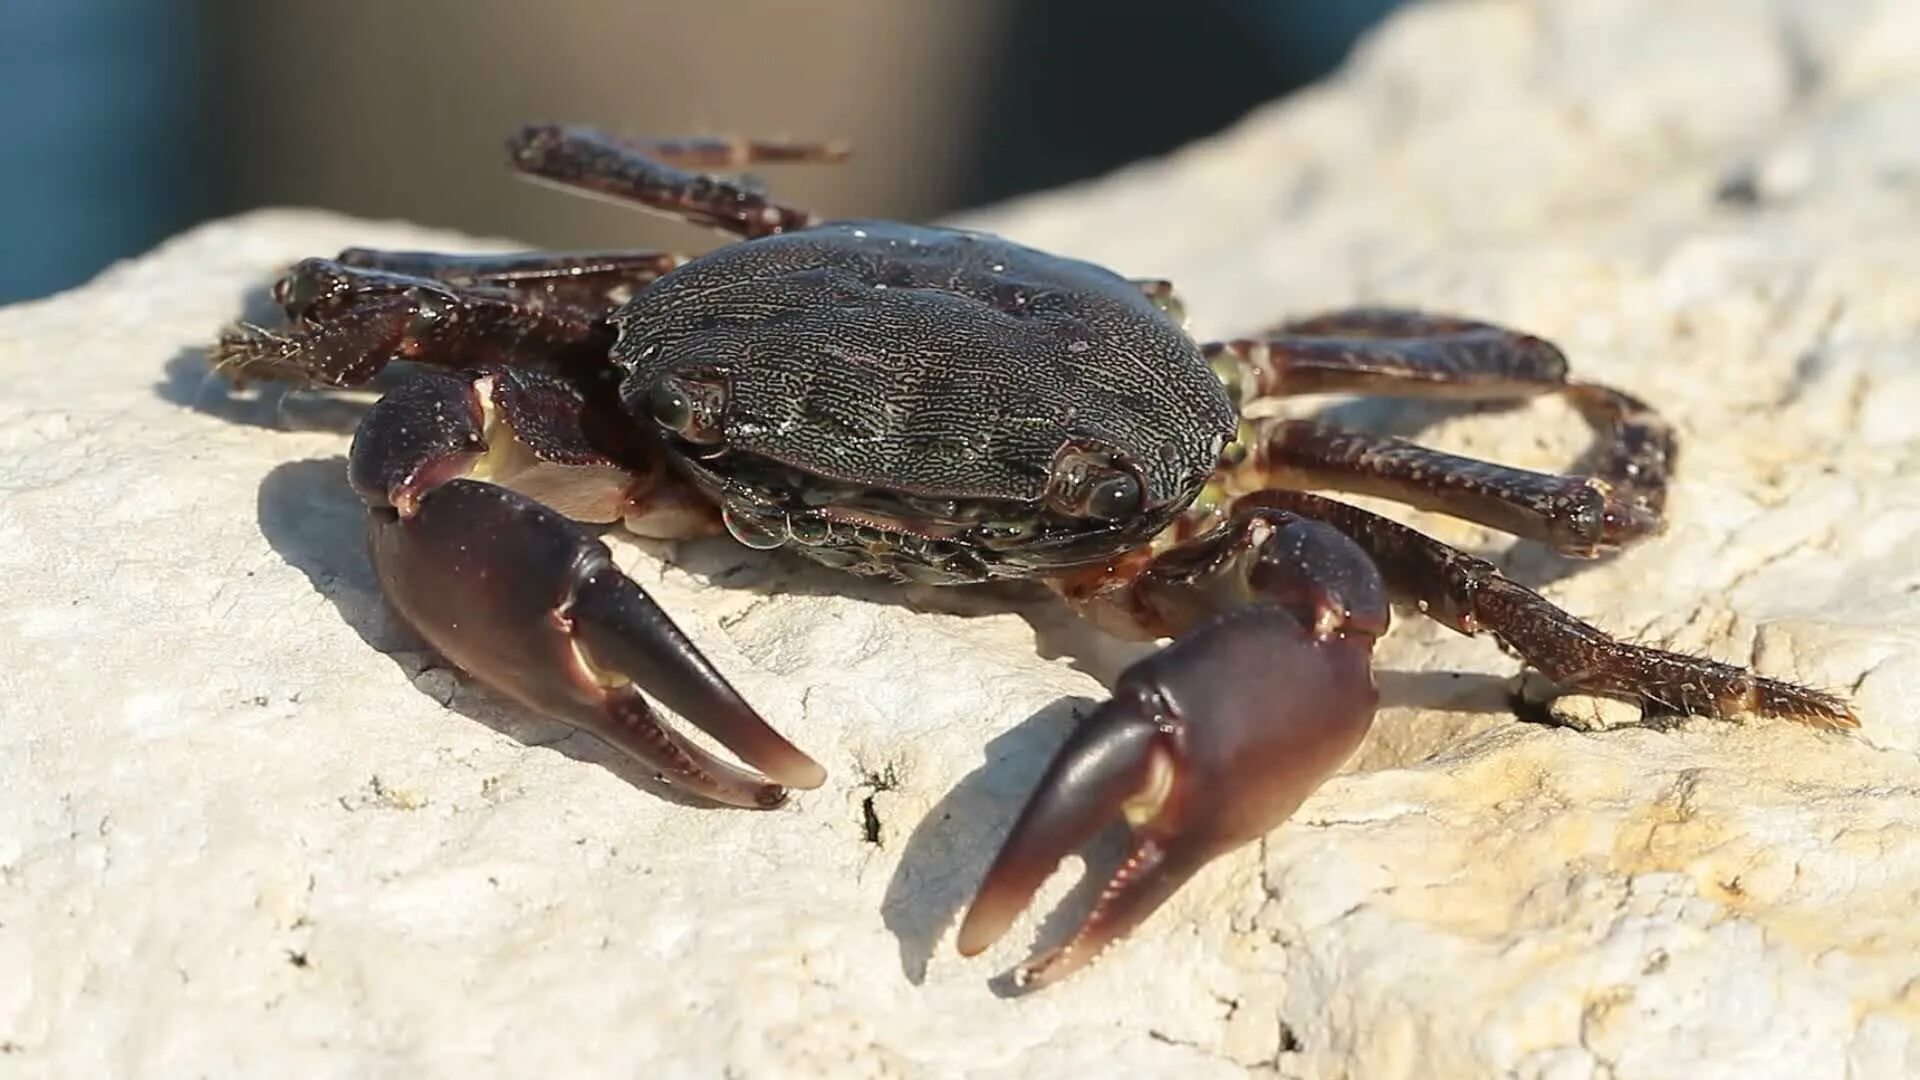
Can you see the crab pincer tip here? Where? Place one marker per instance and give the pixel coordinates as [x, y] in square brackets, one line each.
[1107, 761]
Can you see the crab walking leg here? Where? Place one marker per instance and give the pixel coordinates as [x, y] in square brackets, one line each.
[588, 281]
[1636, 455]
[1386, 322]
[350, 323]
[1388, 351]
[525, 599]
[731, 152]
[1470, 596]
[586, 160]
[1213, 741]
[1576, 515]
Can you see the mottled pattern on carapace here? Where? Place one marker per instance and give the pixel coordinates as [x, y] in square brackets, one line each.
[933, 361]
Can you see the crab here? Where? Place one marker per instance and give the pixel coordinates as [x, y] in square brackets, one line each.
[947, 407]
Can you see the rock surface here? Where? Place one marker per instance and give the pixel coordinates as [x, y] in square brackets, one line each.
[248, 826]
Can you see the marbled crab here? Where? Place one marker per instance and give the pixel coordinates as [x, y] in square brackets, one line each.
[942, 406]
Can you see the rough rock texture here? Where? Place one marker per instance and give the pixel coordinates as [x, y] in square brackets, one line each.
[247, 826]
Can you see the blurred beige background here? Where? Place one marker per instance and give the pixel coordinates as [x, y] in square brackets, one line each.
[892, 77]
[137, 118]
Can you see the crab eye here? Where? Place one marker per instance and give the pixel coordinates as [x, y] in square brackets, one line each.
[1114, 497]
[1094, 483]
[690, 406]
[670, 406]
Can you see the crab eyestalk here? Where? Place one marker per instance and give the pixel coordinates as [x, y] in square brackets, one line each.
[1204, 746]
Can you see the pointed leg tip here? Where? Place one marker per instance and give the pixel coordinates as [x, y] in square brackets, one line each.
[1840, 720]
[1827, 714]
[1837, 715]
[1814, 708]
[531, 138]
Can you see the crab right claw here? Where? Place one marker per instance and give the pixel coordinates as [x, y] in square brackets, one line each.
[530, 602]
[1205, 746]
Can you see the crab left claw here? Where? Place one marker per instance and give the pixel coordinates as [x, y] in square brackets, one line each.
[1205, 746]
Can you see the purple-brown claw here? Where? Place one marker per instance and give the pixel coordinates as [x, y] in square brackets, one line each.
[621, 629]
[529, 602]
[1205, 746]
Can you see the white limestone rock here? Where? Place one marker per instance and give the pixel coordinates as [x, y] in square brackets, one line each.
[249, 827]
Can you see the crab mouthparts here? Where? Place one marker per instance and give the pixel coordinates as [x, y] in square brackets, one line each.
[924, 529]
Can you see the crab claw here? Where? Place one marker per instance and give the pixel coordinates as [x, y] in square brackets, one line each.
[1205, 746]
[530, 602]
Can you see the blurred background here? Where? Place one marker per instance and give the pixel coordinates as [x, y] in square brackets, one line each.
[128, 120]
